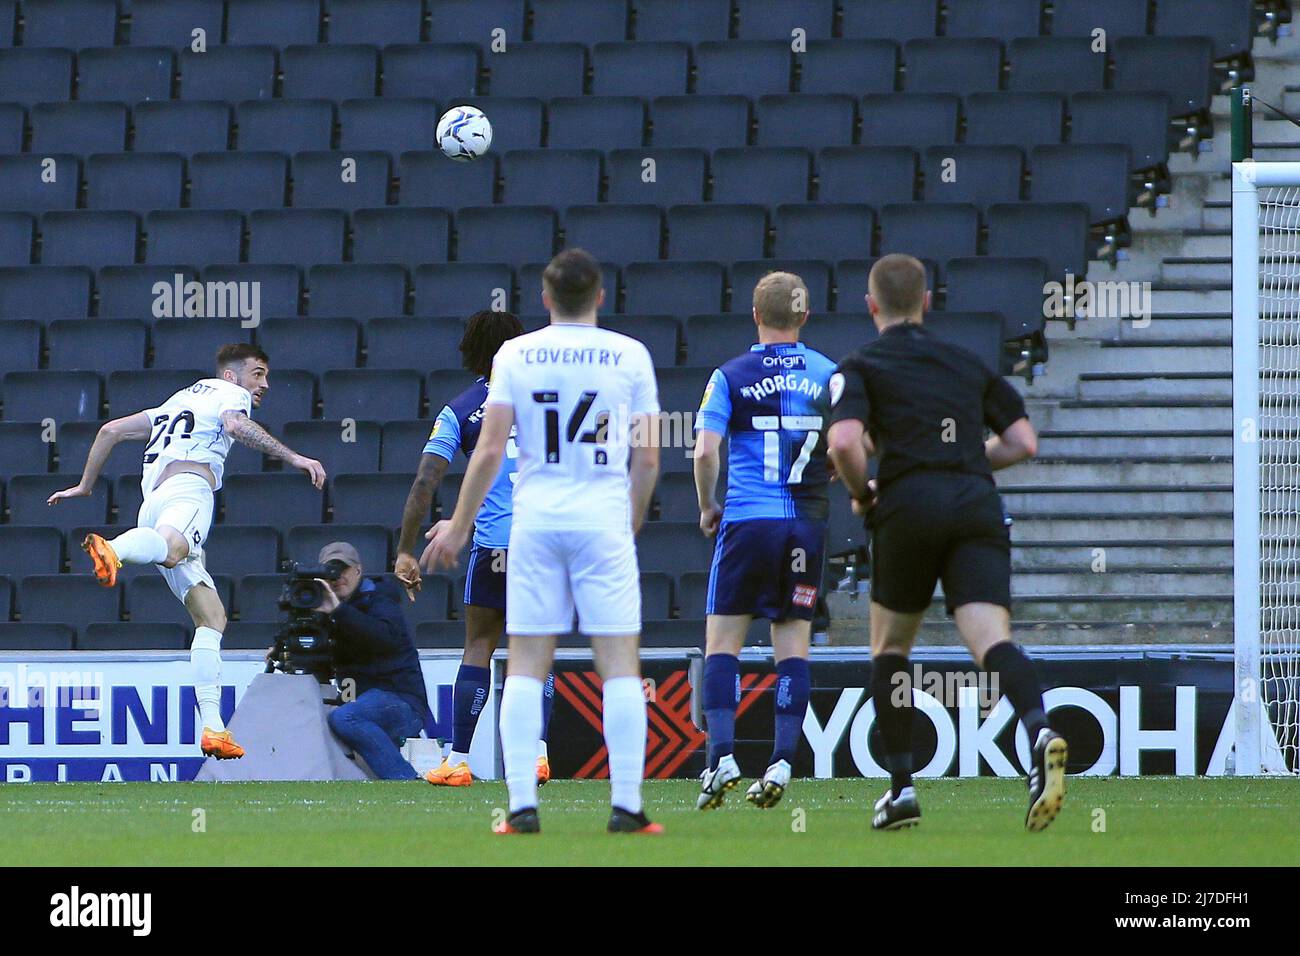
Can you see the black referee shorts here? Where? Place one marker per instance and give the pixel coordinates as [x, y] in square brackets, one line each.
[932, 526]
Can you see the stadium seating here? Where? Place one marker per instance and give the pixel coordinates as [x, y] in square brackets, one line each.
[646, 69]
[181, 126]
[171, 23]
[596, 122]
[289, 125]
[210, 237]
[417, 69]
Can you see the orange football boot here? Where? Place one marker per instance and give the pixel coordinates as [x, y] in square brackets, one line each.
[220, 744]
[445, 775]
[104, 559]
[543, 771]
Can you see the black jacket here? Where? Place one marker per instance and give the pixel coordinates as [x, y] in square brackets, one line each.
[373, 643]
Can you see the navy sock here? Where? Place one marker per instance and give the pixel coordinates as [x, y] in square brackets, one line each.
[792, 691]
[469, 697]
[721, 695]
[1016, 678]
[892, 720]
[548, 703]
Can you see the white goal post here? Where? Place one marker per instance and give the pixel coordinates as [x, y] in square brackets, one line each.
[1266, 465]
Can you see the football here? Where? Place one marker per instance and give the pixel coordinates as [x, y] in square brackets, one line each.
[464, 133]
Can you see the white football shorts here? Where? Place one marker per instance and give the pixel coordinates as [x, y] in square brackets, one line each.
[183, 502]
[554, 572]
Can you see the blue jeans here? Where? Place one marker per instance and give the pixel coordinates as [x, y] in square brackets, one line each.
[374, 725]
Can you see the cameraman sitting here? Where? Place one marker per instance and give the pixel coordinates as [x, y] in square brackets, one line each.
[373, 649]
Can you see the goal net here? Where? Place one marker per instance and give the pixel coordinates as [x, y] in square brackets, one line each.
[1266, 465]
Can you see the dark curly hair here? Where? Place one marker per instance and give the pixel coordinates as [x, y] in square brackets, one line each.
[485, 332]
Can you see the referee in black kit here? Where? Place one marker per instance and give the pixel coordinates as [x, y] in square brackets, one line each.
[934, 513]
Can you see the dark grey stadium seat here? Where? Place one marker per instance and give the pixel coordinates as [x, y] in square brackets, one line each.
[761, 175]
[551, 177]
[427, 179]
[280, 285]
[76, 599]
[778, 19]
[318, 179]
[244, 181]
[1013, 287]
[181, 126]
[22, 448]
[952, 65]
[849, 66]
[140, 182]
[439, 634]
[1055, 65]
[462, 288]
[890, 19]
[128, 74]
[44, 292]
[236, 550]
[752, 67]
[716, 231]
[1119, 18]
[257, 599]
[72, 24]
[675, 499]
[1177, 66]
[11, 126]
[304, 237]
[89, 238]
[621, 233]
[355, 392]
[538, 69]
[277, 501]
[656, 595]
[336, 71]
[356, 290]
[600, 123]
[404, 443]
[171, 23]
[354, 448]
[1138, 120]
[196, 236]
[714, 339]
[62, 396]
[17, 233]
[663, 177]
[673, 288]
[311, 342]
[824, 231]
[30, 549]
[371, 499]
[276, 22]
[1003, 20]
[672, 634]
[515, 234]
[415, 69]
[1025, 120]
[661, 334]
[376, 22]
[97, 343]
[230, 74]
[249, 635]
[934, 231]
[394, 125]
[915, 120]
[784, 119]
[672, 546]
[136, 636]
[980, 332]
[150, 600]
[979, 175]
[643, 69]
[27, 187]
[22, 349]
[290, 126]
[586, 21]
[400, 342]
[688, 20]
[473, 21]
[1094, 174]
[304, 544]
[37, 637]
[1230, 23]
[1054, 232]
[80, 128]
[130, 392]
[185, 343]
[700, 121]
[29, 75]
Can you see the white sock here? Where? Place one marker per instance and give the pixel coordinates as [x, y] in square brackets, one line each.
[205, 658]
[625, 729]
[456, 757]
[140, 546]
[521, 725]
[541, 749]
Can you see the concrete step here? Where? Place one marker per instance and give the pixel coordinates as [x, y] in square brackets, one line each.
[1155, 354]
[1093, 470]
[1180, 326]
[1191, 581]
[1190, 268]
[1207, 242]
[1117, 499]
[1141, 385]
[1165, 300]
[1112, 608]
[1119, 444]
[1091, 633]
[1085, 524]
[1217, 215]
[1085, 555]
[1124, 416]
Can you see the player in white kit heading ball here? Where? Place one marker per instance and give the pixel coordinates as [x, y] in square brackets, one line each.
[189, 436]
[578, 396]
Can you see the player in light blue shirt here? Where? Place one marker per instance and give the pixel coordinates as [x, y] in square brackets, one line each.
[772, 404]
[456, 429]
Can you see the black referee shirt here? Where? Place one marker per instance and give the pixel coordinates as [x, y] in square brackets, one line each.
[924, 402]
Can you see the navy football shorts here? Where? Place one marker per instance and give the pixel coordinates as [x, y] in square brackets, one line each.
[484, 586]
[767, 567]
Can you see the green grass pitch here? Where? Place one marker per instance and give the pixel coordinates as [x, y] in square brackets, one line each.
[1106, 821]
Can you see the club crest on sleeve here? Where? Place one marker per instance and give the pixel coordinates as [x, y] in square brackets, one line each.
[837, 388]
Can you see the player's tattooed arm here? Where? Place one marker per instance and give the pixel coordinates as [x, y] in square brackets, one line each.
[643, 467]
[419, 502]
[448, 537]
[247, 432]
[132, 427]
[707, 465]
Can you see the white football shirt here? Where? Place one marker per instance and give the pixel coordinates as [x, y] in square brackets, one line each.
[574, 389]
[187, 427]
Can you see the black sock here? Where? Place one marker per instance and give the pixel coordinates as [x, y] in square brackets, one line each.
[1016, 678]
[892, 720]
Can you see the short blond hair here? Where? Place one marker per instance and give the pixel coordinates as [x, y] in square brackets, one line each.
[781, 300]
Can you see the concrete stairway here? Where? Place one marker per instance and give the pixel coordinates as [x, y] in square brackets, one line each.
[1123, 524]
